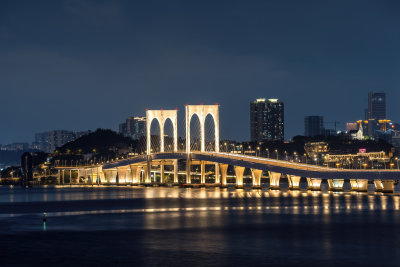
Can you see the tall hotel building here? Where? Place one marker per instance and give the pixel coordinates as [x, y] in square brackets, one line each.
[266, 120]
[376, 105]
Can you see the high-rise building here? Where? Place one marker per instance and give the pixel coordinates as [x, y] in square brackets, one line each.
[134, 127]
[376, 105]
[266, 120]
[313, 125]
[49, 141]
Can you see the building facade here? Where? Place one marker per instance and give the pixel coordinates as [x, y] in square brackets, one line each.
[49, 141]
[376, 105]
[313, 125]
[266, 120]
[134, 127]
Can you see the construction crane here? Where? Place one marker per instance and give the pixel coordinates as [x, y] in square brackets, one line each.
[335, 122]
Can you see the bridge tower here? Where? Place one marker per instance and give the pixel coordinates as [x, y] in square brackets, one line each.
[161, 116]
[202, 111]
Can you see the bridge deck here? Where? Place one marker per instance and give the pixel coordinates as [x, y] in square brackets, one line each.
[267, 164]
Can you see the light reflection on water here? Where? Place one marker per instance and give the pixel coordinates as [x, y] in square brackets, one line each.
[222, 221]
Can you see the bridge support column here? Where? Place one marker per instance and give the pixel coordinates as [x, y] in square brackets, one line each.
[134, 173]
[316, 184]
[284, 182]
[58, 176]
[147, 179]
[335, 185]
[162, 163]
[239, 176]
[387, 186]
[294, 182]
[396, 186]
[378, 185]
[216, 172]
[224, 171]
[371, 188]
[78, 174]
[188, 173]
[362, 185]
[203, 173]
[121, 175]
[274, 178]
[63, 176]
[256, 175]
[310, 184]
[346, 185]
[303, 184]
[176, 171]
[147, 175]
[353, 183]
[324, 186]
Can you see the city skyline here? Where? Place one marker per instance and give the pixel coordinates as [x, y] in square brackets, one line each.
[132, 62]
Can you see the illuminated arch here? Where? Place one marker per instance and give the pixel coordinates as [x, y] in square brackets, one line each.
[202, 111]
[161, 116]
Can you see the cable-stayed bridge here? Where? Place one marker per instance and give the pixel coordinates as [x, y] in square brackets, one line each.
[199, 162]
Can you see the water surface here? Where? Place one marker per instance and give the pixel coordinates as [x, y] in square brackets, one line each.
[178, 226]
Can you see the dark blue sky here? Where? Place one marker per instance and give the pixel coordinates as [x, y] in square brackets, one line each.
[81, 65]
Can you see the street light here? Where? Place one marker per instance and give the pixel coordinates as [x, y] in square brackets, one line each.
[258, 149]
[267, 151]
[276, 151]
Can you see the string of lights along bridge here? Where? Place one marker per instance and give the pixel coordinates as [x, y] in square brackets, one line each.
[199, 162]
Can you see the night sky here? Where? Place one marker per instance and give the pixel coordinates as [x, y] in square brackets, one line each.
[79, 65]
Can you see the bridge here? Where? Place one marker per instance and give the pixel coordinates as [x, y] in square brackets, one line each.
[187, 166]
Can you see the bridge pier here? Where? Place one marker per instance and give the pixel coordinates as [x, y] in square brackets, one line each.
[203, 173]
[294, 182]
[147, 174]
[224, 171]
[353, 183]
[315, 184]
[188, 173]
[122, 175]
[387, 186]
[134, 169]
[396, 186]
[162, 165]
[239, 176]
[362, 185]
[216, 172]
[371, 188]
[274, 178]
[378, 185]
[324, 186]
[284, 182]
[176, 171]
[346, 185]
[337, 185]
[303, 183]
[256, 175]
